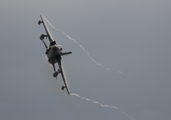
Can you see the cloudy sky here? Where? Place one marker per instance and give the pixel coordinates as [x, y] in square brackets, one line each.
[132, 38]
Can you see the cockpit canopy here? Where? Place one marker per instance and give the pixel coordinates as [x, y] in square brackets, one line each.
[53, 43]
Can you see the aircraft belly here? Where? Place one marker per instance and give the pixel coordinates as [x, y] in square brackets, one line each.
[53, 58]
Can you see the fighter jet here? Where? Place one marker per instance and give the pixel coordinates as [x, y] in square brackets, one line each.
[54, 53]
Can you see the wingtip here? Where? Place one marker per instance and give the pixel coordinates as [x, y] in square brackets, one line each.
[68, 93]
[41, 16]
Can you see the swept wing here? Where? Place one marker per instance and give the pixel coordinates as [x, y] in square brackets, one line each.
[49, 35]
[63, 76]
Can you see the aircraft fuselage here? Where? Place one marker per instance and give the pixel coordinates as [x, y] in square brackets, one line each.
[53, 53]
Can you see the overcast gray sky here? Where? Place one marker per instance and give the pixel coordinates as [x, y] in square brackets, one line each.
[132, 37]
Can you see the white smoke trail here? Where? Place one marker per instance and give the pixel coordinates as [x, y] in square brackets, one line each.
[84, 98]
[102, 105]
[74, 40]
